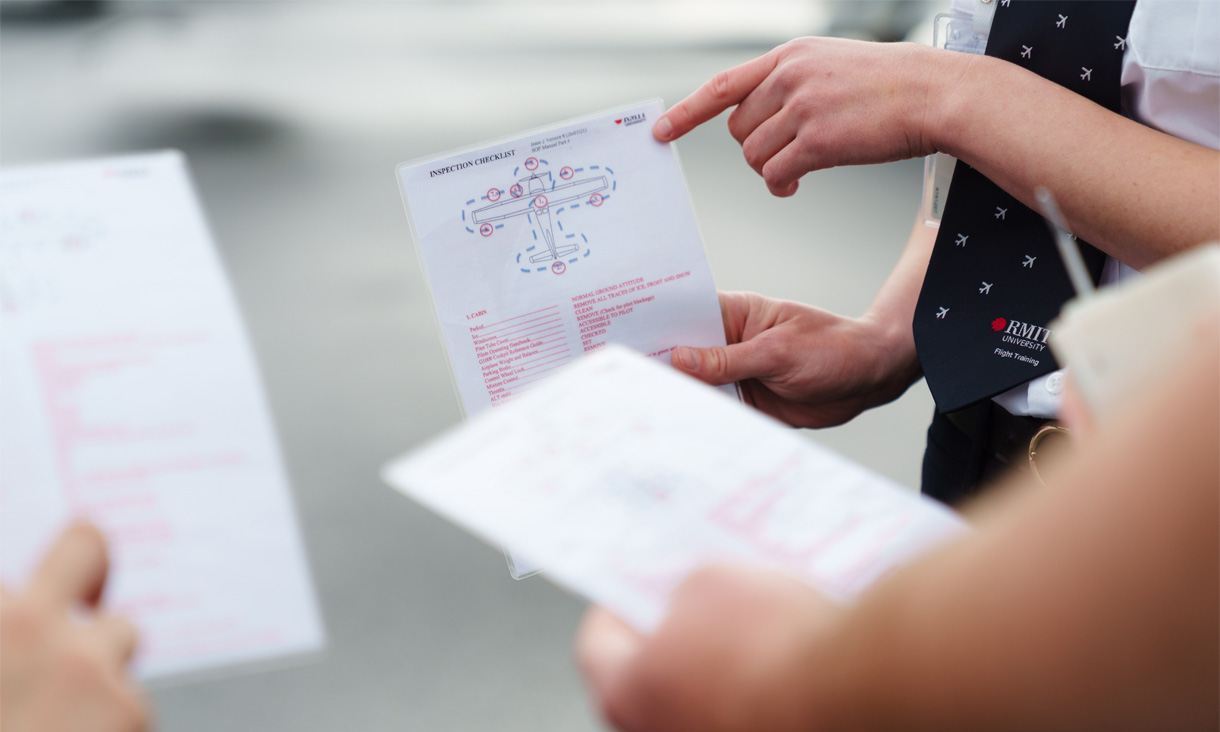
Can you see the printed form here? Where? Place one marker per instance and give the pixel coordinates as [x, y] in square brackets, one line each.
[545, 247]
[129, 396]
[620, 477]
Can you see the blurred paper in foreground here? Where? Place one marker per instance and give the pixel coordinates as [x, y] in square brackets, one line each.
[619, 476]
[129, 396]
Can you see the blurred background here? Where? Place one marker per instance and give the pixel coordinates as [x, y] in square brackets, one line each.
[293, 116]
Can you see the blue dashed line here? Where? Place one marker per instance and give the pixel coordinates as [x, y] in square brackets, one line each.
[582, 236]
[530, 249]
[535, 233]
[470, 229]
[470, 202]
[575, 205]
[606, 197]
[594, 167]
[499, 226]
[519, 258]
[542, 269]
[587, 252]
[553, 182]
[515, 171]
[523, 269]
[544, 162]
[573, 260]
[614, 186]
[579, 170]
[529, 218]
[570, 236]
[559, 212]
[611, 172]
[463, 214]
[560, 225]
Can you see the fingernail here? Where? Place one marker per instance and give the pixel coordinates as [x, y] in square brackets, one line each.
[689, 358]
[662, 129]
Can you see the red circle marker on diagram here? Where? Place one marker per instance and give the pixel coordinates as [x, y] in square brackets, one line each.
[566, 172]
[493, 194]
[531, 164]
[516, 190]
[559, 267]
[486, 229]
[540, 202]
[595, 199]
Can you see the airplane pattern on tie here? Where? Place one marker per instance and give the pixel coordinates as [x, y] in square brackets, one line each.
[1010, 272]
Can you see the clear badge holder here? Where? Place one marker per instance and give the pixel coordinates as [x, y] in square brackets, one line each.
[954, 34]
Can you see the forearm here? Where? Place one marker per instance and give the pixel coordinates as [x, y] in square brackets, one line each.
[1088, 604]
[1136, 193]
[892, 309]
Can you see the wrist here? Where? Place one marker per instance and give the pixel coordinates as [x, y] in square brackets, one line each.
[928, 78]
[950, 87]
[896, 364]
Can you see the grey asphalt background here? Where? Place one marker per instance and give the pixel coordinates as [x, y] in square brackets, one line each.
[293, 116]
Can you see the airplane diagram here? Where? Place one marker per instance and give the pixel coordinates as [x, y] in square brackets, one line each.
[961, 240]
[1001, 213]
[538, 198]
[1062, 22]
[1086, 74]
[986, 288]
[1026, 51]
[1029, 261]
[940, 314]
[1121, 45]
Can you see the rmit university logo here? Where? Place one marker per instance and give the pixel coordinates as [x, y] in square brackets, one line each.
[1026, 335]
[631, 119]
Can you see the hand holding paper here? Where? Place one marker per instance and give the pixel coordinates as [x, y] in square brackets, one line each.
[802, 365]
[548, 245]
[129, 395]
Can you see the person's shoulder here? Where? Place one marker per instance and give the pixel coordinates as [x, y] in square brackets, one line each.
[1177, 36]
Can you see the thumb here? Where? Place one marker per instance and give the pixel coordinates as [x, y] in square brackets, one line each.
[606, 648]
[719, 364]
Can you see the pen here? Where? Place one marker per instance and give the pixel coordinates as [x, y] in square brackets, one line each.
[1068, 250]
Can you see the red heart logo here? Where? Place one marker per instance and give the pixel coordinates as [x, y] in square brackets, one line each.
[998, 324]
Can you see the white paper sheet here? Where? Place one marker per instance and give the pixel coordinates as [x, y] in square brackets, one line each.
[129, 395]
[552, 244]
[620, 477]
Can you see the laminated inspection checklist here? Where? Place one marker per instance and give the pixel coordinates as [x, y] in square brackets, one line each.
[547, 246]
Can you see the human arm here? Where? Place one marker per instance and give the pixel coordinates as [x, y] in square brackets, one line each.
[814, 103]
[1090, 603]
[811, 368]
[63, 665]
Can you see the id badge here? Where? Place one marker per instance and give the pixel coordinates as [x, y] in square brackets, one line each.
[954, 34]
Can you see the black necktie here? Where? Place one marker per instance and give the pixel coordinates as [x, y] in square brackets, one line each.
[995, 279]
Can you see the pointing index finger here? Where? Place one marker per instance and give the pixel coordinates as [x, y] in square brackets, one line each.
[724, 90]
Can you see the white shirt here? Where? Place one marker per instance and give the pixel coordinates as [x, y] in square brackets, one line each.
[1171, 82]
